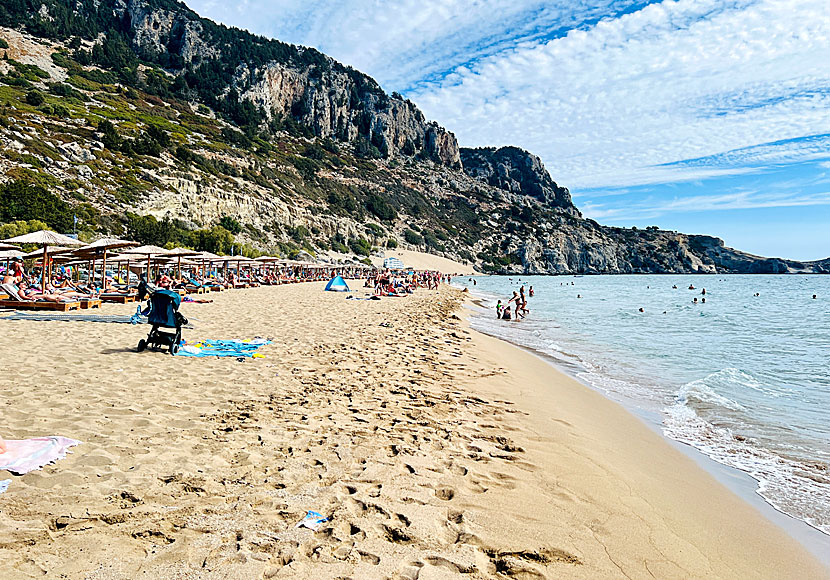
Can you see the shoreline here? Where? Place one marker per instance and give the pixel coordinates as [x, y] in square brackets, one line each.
[435, 451]
[716, 477]
[741, 483]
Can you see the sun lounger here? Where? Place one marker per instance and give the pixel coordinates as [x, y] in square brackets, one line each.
[90, 303]
[17, 302]
[117, 298]
[39, 305]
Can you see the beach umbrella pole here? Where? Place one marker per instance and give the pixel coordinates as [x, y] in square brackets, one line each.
[104, 271]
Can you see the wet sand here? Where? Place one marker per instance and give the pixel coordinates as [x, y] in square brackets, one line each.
[435, 451]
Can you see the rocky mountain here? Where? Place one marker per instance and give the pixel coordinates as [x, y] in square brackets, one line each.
[517, 171]
[144, 120]
[248, 77]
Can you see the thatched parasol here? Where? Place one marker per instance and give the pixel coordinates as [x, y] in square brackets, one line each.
[179, 253]
[100, 248]
[148, 251]
[45, 238]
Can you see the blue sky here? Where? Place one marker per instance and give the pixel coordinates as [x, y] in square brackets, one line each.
[705, 116]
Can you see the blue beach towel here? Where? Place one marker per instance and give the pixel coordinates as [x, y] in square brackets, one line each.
[234, 348]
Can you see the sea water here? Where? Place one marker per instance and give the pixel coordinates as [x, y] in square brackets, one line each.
[744, 376]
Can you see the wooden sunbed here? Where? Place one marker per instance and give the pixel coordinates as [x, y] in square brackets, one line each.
[90, 303]
[39, 305]
[118, 298]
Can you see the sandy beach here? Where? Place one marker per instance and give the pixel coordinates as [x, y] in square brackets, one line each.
[435, 452]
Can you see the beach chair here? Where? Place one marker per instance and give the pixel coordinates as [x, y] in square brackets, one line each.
[117, 297]
[16, 302]
[164, 313]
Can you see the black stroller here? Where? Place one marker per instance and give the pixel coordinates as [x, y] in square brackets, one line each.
[164, 313]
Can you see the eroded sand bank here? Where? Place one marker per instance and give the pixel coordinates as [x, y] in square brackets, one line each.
[436, 452]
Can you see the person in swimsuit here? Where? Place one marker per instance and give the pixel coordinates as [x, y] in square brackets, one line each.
[15, 273]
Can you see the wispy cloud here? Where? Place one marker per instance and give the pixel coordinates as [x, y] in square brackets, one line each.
[657, 206]
[609, 104]
[405, 43]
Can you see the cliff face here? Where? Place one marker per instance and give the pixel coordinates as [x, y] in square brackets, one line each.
[577, 249]
[517, 171]
[329, 103]
[334, 101]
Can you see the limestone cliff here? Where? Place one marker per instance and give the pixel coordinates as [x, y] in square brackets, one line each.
[318, 92]
[518, 171]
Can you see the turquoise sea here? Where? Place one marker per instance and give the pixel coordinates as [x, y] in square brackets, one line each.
[743, 377]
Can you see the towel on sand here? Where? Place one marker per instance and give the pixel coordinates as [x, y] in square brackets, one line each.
[235, 348]
[29, 454]
[4, 485]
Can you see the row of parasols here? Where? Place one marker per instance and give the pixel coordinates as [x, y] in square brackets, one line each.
[65, 250]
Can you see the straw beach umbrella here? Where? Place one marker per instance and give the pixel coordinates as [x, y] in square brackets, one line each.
[180, 253]
[100, 248]
[45, 238]
[148, 251]
[5, 246]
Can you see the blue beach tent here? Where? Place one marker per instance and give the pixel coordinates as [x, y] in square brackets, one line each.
[337, 284]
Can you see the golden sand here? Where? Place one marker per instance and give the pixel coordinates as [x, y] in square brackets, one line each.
[435, 451]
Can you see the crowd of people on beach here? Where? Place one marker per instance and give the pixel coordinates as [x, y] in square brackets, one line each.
[399, 283]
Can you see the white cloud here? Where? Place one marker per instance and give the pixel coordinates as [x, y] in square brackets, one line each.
[401, 43]
[649, 208]
[603, 106]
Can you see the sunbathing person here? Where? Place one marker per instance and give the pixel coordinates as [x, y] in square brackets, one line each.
[28, 294]
[196, 300]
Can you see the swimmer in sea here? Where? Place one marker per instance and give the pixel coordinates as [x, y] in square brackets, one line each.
[691, 286]
[694, 301]
[703, 300]
[642, 310]
[674, 287]
[579, 295]
[703, 291]
[814, 296]
[530, 292]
